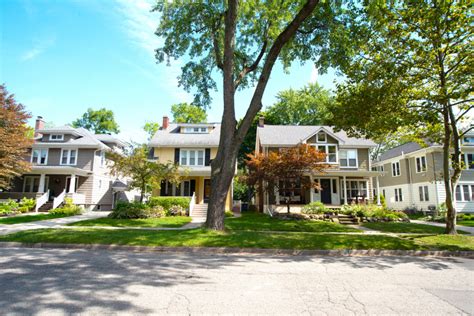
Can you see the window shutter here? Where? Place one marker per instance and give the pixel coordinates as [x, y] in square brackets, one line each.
[176, 156]
[207, 158]
[193, 186]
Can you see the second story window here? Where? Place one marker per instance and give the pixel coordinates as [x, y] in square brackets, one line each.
[56, 137]
[420, 164]
[348, 158]
[192, 157]
[39, 156]
[468, 160]
[396, 169]
[330, 151]
[68, 156]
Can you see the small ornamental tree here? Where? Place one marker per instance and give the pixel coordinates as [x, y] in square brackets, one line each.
[284, 171]
[143, 172]
[15, 138]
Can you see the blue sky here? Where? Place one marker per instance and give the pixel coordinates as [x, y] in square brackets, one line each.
[61, 57]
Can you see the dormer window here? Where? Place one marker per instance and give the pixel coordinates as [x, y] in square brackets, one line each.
[321, 137]
[56, 137]
[196, 130]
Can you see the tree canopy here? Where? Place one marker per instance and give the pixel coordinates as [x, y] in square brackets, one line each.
[15, 138]
[188, 113]
[151, 128]
[100, 121]
[414, 70]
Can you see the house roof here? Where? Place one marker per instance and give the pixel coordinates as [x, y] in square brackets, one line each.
[171, 137]
[290, 135]
[399, 150]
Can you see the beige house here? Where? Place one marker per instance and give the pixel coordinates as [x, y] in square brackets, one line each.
[349, 178]
[192, 147]
[70, 162]
[413, 176]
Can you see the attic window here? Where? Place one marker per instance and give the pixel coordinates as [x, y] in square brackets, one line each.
[196, 130]
[56, 137]
[321, 137]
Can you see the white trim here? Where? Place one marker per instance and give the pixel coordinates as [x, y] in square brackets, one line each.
[325, 137]
[421, 165]
[188, 157]
[46, 182]
[347, 159]
[57, 139]
[39, 156]
[68, 157]
[327, 152]
[399, 169]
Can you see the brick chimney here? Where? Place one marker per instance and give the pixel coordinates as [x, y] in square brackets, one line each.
[39, 125]
[166, 122]
[261, 121]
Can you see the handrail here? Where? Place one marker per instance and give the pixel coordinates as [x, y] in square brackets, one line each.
[41, 200]
[59, 199]
[192, 203]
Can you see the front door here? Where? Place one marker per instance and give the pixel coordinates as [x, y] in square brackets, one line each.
[207, 190]
[325, 191]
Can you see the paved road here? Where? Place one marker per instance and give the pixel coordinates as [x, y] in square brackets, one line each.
[53, 281]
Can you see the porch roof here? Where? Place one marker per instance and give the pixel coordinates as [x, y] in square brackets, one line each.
[350, 173]
[66, 170]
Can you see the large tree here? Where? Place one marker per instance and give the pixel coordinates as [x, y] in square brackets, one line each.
[151, 128]
[306, 106]
[143, 172]
[414, 70]
[241, 42]
[100, 121]
[188, 113]
[15, 138]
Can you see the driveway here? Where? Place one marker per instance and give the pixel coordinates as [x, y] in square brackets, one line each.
[58, 281]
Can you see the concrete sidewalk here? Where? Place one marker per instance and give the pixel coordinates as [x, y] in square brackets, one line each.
[468, 229]
[52, 223]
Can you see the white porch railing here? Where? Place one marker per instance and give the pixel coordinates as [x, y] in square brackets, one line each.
[192, 203]
[41, 200]
[59, 199]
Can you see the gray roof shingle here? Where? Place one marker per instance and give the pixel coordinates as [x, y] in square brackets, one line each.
[399, 150]
[274, 135]
[171, 137]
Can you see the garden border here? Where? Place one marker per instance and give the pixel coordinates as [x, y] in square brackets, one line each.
[246, 251]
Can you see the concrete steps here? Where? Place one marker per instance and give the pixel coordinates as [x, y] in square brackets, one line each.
[347, 219]
[199, 211]
[46, 207]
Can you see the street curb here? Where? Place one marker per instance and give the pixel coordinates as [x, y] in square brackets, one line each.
[244, 251]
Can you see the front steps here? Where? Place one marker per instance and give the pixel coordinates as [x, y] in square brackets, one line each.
[347, 219]
[199, 212]
[46, 207]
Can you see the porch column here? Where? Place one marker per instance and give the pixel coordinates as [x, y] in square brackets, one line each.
[344, 185]
[42, 182]
[72, 184]
[378, 190]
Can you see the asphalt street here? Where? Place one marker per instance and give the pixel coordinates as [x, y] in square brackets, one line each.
[58, 281]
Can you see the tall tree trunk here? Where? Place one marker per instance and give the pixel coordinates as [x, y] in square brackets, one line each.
[451, 211]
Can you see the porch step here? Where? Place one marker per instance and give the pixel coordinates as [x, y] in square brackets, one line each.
[46, 207]
[200, 211]
[347, 219]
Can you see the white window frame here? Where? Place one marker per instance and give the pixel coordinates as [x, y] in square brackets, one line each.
[347, 158]
[38, 162]
[68, 157]
[398, 195]
[470, 188]
[31, 184]
[56, 139]
[422, 165]
[327, 152]
[423, 193]
[325, 137]
[466, 161]
[196, 130]
[399, 169]
[188, 157]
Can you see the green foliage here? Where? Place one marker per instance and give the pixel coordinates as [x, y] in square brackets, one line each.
[372, 211]
[383, 201]
[68, 209]
[242, 191]
[100, 121]
[28, 203]
[12, 207]
[124, 210]
[151, 128]
[188, 113]
[167, 202]
[314, 208]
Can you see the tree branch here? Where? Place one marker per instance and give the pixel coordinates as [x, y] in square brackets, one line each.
[215, 43]
[471, 128]
[464, 113]
[246, 70]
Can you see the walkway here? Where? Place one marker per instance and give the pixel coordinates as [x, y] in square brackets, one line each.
[52, 223]
[468, 229]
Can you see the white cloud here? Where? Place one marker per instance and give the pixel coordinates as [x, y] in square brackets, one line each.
[39, 47]
[314, 74]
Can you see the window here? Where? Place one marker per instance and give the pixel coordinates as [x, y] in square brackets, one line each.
[197, 130]
[458, 193]
[56, 137]
[396, 169]
[383, 192]
[469, 140]
[468, 160]
[321, 137]
[356, 188]
[424, 194]
[420, 164]
[39, 156]
[348, 158]
[334, 186]
[68, 156]
[31, 184]
[192, 157]
[465, 193]
[398, 195]
[330, 151]
[382, 168]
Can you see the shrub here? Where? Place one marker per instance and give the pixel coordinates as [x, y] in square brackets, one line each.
[168, 201]
[12, 207]
[68, 209]
[314, 208]
[124, 210]
[27, 203]
[177, 210]
[372, 211]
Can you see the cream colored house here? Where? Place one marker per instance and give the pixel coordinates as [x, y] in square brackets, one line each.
[192, 147]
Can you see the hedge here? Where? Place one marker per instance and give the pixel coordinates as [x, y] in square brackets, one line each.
[168, 201]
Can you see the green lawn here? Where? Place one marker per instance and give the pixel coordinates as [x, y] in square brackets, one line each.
[172, 221]
[28, 218]
[244, 239]
[261, 222]
[397, 227]
[469, 223]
